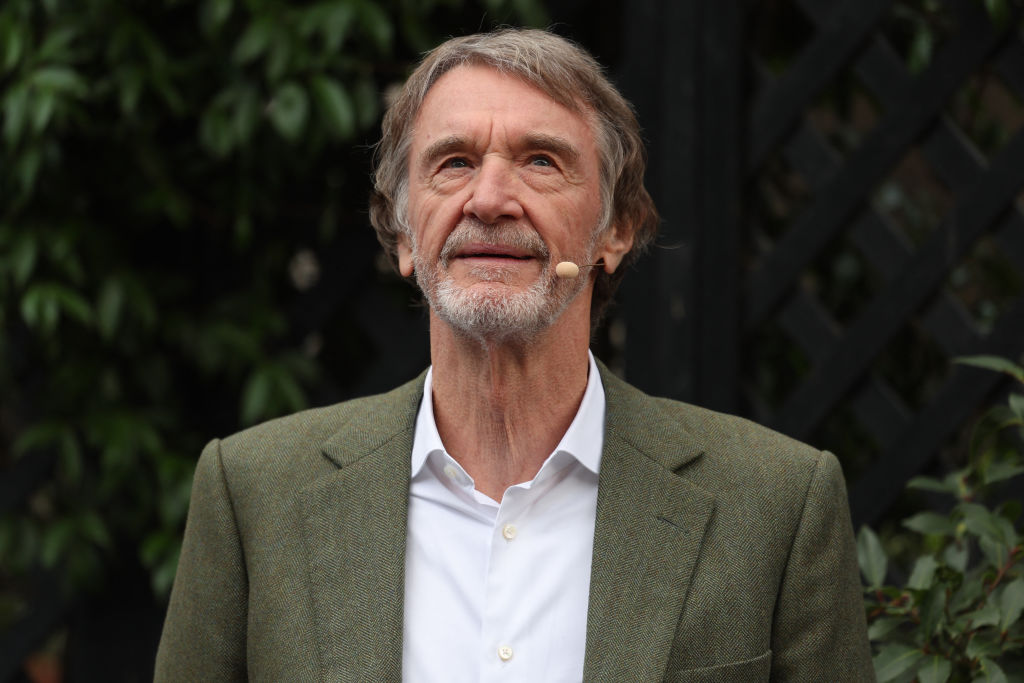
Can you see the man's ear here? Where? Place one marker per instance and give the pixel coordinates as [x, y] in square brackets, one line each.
[614, 246]
[405, 263]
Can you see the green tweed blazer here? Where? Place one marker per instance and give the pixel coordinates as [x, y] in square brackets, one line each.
[722, 551]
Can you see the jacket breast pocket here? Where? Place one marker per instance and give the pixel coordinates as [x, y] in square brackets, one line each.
[746, 671]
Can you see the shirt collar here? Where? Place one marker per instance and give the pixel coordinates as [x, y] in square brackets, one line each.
[583, 440]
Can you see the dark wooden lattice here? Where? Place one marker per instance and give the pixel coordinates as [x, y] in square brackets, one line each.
[775, 270]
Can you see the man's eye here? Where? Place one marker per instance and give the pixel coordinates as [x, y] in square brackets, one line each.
[456, 162]
[541, 160]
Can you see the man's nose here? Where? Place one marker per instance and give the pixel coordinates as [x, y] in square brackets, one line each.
[494, 193]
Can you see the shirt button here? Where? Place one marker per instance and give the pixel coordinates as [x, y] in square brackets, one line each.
[505, 653]
[451, 472]
[509, 532]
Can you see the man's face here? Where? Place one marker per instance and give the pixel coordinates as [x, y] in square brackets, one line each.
[504, 183]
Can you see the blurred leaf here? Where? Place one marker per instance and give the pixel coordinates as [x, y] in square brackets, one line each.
[39, 436]
[1000, 471]
[1011, 604]
[15, 109]
[991, 671]
[56, 540]
[23, 259]
[1016, 403]
[377, 25]
[95, 530]
[335, 105]
[12, 42]
[932, 610]
[934, 669]
[871, 557]
[920, 55]
[289, 109]
[956, 555]
[57, 46]
[930, 523]
[334, 20]
[59, 79]
[894, 659]
[994, 551]
[1000, 12]
[109, 307]
[254, 41]
[994, 363]
[532, 12]
[924, 573]
[213, 14]
[984, 523]
[366, 102]
[986, 616]
[882, 627]
[256, 396]
[930, 484]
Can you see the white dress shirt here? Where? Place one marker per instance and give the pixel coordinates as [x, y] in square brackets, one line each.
[499, 592]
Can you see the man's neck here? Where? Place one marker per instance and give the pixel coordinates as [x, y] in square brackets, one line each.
[501, 408]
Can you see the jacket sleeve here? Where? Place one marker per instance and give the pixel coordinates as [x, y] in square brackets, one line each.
[205, 630]
[820, 630]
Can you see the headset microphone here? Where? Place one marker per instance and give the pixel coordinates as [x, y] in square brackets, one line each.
[567, 270]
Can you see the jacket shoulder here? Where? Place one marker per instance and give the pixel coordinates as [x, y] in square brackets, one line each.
[293, 445]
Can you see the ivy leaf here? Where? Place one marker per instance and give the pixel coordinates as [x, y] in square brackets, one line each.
[288, 110]
[934, 669]
[871, 557]
[930, 523]
[893, 660]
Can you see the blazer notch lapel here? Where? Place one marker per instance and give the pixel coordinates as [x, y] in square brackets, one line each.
[355, 530]
[647, 538]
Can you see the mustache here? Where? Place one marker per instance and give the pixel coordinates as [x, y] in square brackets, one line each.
[472, 231]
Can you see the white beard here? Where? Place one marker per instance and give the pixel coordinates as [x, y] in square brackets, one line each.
[492, 313]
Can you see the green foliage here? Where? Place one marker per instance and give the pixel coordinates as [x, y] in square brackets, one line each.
[958, 615]
[161, 165]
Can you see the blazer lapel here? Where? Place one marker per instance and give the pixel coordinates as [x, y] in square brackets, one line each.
[355, 531]
[648, 533]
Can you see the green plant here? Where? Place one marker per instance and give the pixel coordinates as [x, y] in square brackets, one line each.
[171, 174]
[957, 617]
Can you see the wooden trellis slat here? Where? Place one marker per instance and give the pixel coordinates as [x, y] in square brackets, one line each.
[969, 220]
[781, 106]
[845, 193]
[876, 406]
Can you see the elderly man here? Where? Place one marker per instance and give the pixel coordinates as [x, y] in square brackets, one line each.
[517, 512]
